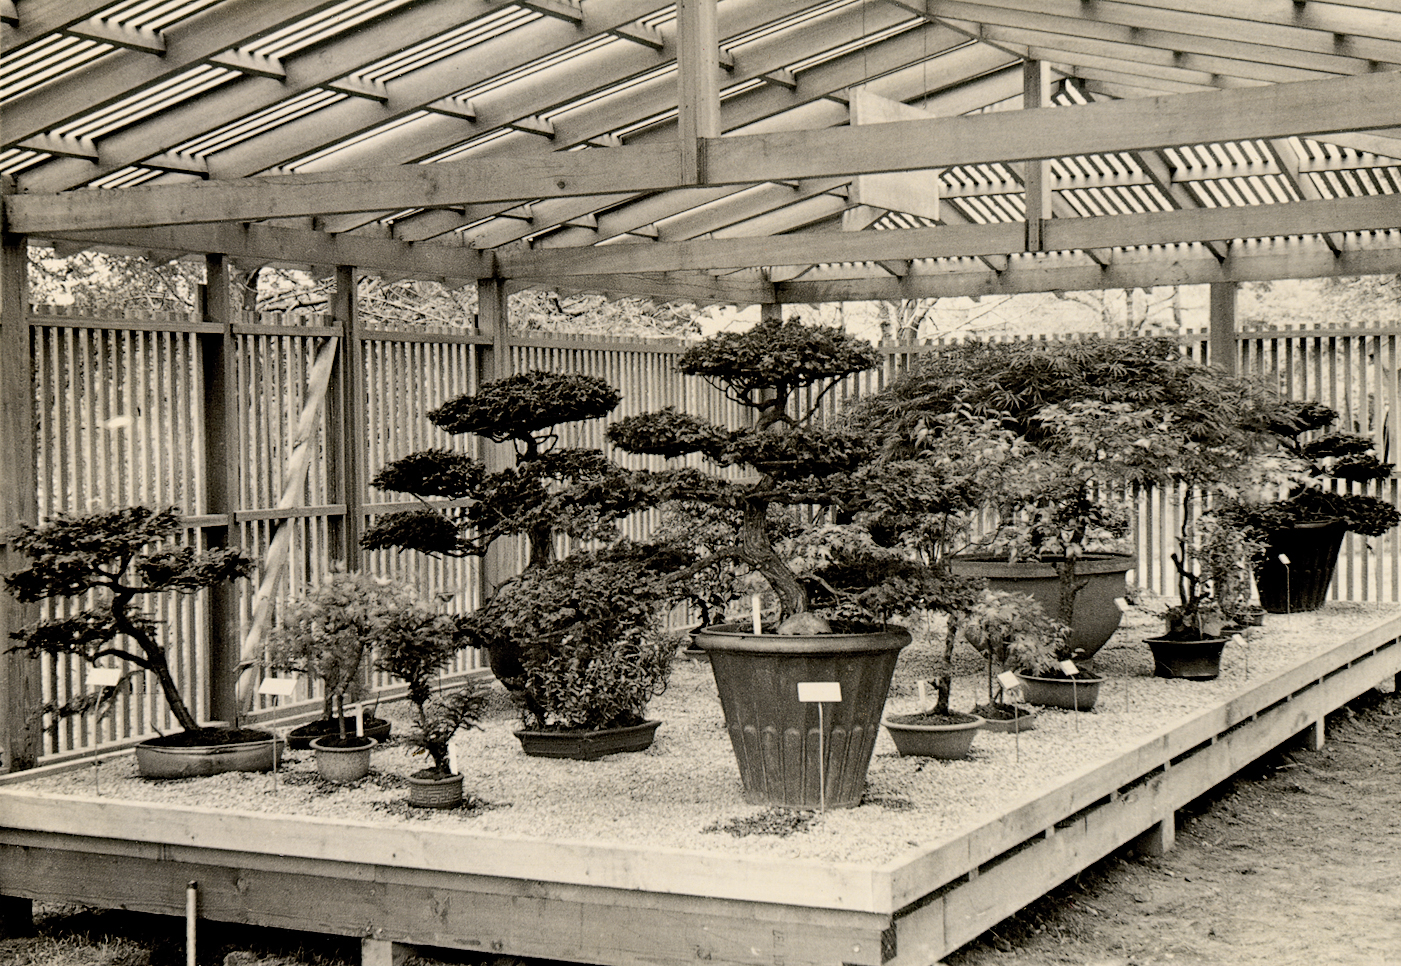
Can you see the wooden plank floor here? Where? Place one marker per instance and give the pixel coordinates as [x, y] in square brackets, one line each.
[627, 906]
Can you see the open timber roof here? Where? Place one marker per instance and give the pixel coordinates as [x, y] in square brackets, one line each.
[741, 151]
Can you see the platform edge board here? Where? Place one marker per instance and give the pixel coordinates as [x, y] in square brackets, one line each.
[915, 875]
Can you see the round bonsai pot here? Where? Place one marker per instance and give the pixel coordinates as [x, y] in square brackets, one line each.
[1312, 550]
[917, 734]
[587, 745]
[301, 737]
[343, 760]
[1024, 721]
[1072, 694]
[786, 748]
[1095, 617]
[209, 751]
[428, 789]
[1198, 660]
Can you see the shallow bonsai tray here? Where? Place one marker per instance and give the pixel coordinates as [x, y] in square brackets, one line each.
[624, 903]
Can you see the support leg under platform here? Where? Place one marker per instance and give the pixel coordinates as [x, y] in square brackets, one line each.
[382, 952]
[1159, 838]
[1316, 735]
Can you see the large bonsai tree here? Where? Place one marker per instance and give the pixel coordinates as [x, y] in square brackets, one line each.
[121, 558]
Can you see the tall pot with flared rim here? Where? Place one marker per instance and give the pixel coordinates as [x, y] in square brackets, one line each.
[1095, 617]
[794, 753]
[1302, 584]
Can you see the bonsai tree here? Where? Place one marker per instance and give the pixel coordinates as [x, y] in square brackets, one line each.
[329, 631]
[122, 558]
[1319, 498]
[415, 645]
[549, 490]
[1013, 632]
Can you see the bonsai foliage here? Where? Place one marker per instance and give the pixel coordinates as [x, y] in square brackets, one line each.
[549, 490]
[591, 640]
[1013, 632]
[415, 645]
[836, 556]
[328, 631]
[1326, 459]
[121, 558]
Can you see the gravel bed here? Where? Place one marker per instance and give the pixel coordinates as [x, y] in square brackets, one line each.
[684, 791]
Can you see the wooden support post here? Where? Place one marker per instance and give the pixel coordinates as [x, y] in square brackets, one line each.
[20, 688]
[698, 83]
[493, 318]
[771, 312]
[1036, 82]
[1316, 735]
[16, 917]
[1160, 837]
[1222, 350]
[345, 423]
[221, 478]
[382, 952]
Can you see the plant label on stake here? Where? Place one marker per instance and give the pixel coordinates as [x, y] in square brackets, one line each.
[105, 677]
[923, 693]
[819, 693]
[1288, 591]
[1122, 604]
[1008, 680]
[1068, 666]
[359, 721]
[279, 687]
[754, 611]
[452, 760]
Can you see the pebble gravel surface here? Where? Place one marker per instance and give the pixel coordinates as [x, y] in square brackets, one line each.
[684, 791]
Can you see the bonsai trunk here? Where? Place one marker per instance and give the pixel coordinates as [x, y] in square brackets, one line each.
[943, 681]
[1070, 587]
[155, 662]
[756, 550]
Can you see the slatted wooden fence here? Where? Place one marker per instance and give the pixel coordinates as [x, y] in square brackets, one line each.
[123, 408]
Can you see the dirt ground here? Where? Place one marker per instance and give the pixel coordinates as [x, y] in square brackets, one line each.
[1294, 862]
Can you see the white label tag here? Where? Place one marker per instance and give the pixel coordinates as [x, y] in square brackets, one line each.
[1068, 666]
[1284, 559]
[279, 687]
[829, 692]
[1122, 604]
[1008, 680]
[452, 760]
[1238, 639]
[104, 677]
[359, 721]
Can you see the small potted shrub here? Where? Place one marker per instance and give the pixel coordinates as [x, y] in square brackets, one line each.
[1307, 527]
[1012, 632]
[415, 645]
[592, 649]
[328, 633]
[113, 561]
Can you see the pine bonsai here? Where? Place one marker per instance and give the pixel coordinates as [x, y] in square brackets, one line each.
[121, 557]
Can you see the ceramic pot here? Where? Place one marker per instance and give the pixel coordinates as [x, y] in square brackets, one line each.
[947, 741]
[301, 737]
[1021, 723]
[343, 760]
[435, 792]
[1095, 617]
[1312, 550]
[171, 756]
[1191, 660]
[587, 745]
[794, 753]
[1072, 694]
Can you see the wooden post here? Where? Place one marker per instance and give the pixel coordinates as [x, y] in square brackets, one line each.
[20, 683]
[493, 318]
[345, 424]
[1222, 350]
[698, 84]
[1160, 837]
[382, 952]
[1036, 77]
[1316, 735]
[221, 478]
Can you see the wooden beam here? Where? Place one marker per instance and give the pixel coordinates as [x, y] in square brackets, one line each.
[698, 85]
[1287, 160]
[220, 423]
[1036, 94]
[1152, 164]
[1282, 110]
[1061, 235]
[20, 673]
[43, 17]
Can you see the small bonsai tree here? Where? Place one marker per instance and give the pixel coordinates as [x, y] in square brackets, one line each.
[328, 631]
[1013, 632]
[121, 558]
[415, 645]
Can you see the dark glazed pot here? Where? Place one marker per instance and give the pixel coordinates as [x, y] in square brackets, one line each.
[588, 745]
[1096, 616]
[1312, 549]
[1189, 660]
[787, 749]
[1072, 694]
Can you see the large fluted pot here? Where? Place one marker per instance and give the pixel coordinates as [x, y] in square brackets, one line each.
[1312, 550]
[790, 752]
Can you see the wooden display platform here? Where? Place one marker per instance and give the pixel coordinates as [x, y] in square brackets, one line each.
[398, 887]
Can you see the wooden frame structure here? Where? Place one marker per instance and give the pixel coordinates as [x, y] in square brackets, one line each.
[763, 152]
